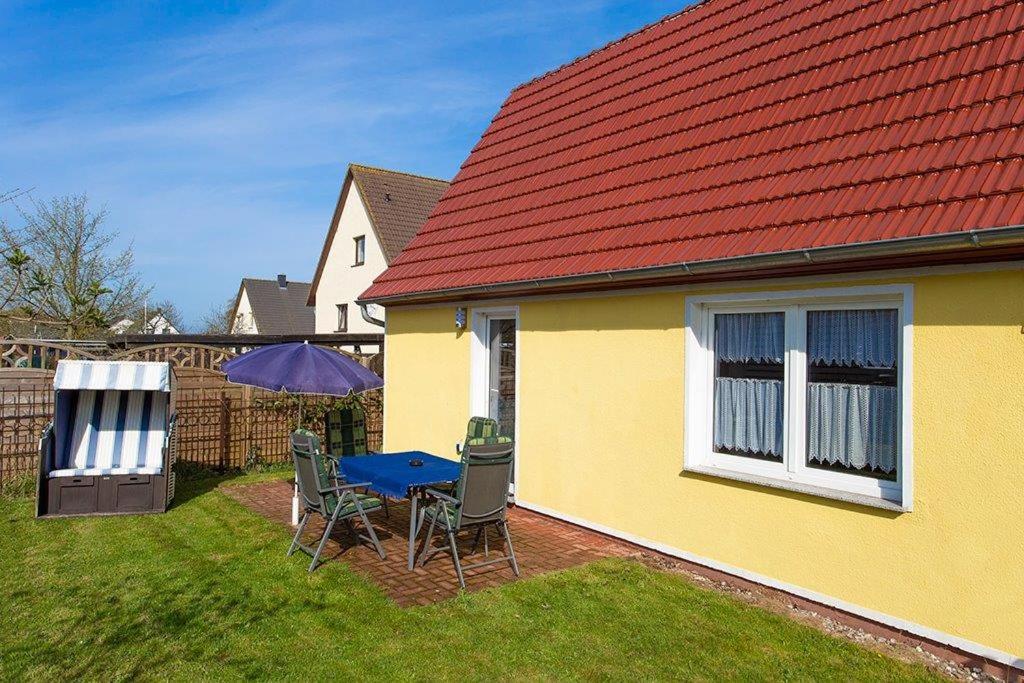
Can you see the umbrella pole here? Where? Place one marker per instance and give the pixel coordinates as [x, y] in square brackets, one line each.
[300, 411]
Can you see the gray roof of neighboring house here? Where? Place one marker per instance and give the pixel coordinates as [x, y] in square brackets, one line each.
[279, 310]
[398, 204]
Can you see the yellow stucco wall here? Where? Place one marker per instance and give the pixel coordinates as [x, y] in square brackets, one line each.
[601, 439]
[429, 406]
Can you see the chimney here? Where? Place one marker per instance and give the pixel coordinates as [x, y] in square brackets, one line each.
[282, 281]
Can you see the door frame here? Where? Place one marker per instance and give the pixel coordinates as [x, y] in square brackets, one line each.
[479, 368]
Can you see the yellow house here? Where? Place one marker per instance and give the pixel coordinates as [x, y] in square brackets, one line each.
[747, 287]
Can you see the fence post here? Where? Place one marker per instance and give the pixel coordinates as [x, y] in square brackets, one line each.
[245, 410]
[225, 427]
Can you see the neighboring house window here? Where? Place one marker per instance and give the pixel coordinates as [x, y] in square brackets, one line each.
[360, 250]
[342, 317]
[802, 387]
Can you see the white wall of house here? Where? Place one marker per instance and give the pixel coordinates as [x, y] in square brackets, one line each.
[157, 324]
[244, 322]
[341, 281]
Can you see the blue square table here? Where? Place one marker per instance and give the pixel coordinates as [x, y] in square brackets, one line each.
[390, 474]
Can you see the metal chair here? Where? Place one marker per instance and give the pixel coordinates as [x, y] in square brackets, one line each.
[346, 431]
[346, 436]
[481, 428]
[480, 500]
[324, 493]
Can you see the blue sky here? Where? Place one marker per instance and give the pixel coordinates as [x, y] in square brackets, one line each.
[217, 133]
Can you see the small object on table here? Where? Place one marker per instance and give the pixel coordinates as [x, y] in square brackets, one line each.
[416, 462]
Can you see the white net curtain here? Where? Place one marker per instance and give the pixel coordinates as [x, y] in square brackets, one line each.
[853, 424]
[748, 415]
[749, 410]
[852, 418]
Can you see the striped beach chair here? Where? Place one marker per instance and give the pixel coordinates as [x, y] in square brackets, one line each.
[109, 448]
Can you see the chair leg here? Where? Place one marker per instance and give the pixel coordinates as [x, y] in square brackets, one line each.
[425, 546]
[476, 539]
[297, 541]
[455, 556]
[373, 534]
[511, 551]
[323, 541]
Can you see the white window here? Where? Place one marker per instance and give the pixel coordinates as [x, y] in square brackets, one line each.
[805, 390]
[360, 250]
[342, 317]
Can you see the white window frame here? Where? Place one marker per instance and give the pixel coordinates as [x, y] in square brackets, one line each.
[479, 369]
[360, 245]
[793, 473]
[342, 311]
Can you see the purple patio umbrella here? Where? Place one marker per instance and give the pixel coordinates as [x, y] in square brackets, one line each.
[301, 368]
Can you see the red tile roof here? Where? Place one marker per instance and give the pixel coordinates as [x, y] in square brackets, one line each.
[740, 127]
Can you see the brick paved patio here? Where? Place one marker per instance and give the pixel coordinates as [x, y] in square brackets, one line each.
[541, 544]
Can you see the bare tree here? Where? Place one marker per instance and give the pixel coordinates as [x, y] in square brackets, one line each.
[77, 284]
[220, 319]
[13, 261]
[146, 319]
[170, 312]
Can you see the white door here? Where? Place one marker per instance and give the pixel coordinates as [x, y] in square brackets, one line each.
[495, 381]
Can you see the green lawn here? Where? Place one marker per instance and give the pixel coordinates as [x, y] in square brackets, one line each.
[205, 591]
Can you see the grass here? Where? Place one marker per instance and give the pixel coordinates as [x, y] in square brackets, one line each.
[205, 591]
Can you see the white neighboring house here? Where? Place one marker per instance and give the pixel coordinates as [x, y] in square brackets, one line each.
[272, 307]
[370, 227]
[157, 324]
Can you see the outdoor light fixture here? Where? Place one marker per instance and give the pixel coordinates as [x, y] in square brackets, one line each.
[460, 318]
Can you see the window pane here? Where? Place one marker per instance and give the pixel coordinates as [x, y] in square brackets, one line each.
[852, 395]
[360, 249]
[502, 375]
[749, 372]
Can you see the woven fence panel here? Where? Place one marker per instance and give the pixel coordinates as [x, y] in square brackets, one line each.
[24, 412]
[219, 425]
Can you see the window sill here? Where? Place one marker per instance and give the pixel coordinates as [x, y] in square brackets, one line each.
[797, 487]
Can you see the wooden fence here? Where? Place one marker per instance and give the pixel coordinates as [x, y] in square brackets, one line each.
[219, 425]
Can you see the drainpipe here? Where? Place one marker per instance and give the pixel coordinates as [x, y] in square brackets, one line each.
[369, 318]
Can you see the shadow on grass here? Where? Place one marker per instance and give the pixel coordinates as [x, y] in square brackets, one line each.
[193, 482]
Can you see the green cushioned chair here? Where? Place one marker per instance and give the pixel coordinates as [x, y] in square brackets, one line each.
[346, 431]
[325, 494]
[481, 430]
[346, 436]
[480, 499]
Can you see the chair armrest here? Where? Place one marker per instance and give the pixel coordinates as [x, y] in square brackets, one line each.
[434, 493]
[346, 487]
